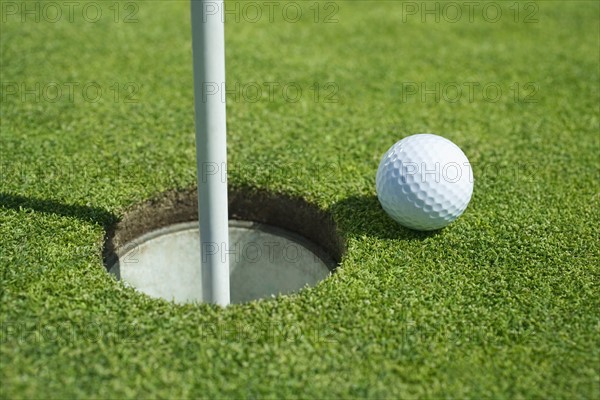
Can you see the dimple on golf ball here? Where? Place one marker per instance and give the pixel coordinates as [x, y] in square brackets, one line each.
[424, 182]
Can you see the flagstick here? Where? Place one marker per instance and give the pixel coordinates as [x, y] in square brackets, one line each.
[208, 45]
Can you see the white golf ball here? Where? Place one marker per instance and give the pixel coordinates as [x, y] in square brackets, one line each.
[424, 182]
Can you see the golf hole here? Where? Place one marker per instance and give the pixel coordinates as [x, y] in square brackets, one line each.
[278, 245]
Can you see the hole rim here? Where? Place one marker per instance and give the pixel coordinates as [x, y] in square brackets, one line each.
[278, 211]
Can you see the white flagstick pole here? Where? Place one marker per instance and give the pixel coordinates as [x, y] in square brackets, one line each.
[208, 45]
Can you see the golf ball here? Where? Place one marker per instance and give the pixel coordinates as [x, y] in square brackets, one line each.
[424, 182]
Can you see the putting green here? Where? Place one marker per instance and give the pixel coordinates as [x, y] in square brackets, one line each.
[97, 116]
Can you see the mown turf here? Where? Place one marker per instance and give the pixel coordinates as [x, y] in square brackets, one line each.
[503, 303]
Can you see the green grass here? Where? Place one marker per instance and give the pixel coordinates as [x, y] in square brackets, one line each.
[503, 303]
